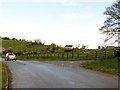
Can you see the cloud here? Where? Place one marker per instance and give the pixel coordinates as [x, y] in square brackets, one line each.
[73, 4]
[78, 16]
[40, 1]
[57, 1]
[60, 35]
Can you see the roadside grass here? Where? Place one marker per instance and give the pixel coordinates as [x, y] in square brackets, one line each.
[107, 65]
[0, 75]
[4, 75]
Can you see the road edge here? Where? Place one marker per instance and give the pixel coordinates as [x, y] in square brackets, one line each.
[9, 78]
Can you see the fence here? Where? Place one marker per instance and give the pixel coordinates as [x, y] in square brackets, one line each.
[93, 55]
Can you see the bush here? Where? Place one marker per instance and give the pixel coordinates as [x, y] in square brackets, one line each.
[6, 38]
[117, 53]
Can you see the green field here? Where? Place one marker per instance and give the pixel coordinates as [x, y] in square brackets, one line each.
[108, 65]
[26, 50]
[21, 46]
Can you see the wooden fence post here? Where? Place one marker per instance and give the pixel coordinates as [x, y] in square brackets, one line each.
[47, 54]
[96, 54]
[78, 54]
[67, 55]
[86, 55]
[62, 55]
[105, 54]
[43, 54]
[72, 55]
[58, 55]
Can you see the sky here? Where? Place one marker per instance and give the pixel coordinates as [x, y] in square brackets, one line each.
[63, 22]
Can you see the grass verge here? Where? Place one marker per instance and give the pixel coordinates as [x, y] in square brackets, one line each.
[0, 75]
[4, 76]
[108, 65]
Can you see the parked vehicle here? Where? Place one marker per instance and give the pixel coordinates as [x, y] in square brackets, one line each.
[10, 56]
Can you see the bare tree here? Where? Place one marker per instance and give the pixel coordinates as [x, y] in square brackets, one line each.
[43, 43]
[111, 26]
[77, 46]
[84, 46]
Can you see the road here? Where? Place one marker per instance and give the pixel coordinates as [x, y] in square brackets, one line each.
[35, 74]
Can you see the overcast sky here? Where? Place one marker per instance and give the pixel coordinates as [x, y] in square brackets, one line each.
[54, 21]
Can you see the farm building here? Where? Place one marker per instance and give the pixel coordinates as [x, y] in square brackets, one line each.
[68, 48]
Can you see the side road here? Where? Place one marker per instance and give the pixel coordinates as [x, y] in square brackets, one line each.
[76, 65]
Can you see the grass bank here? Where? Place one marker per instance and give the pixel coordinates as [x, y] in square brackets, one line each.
[4, 76]
[107, 65]
[0, 75]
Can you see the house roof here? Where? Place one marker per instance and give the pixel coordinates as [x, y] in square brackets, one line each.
[68, 45]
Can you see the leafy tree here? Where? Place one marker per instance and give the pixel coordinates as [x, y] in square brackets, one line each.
[24, 40]
[20, 39]
[38, 41]
[57, 48]
[14, 39]
[99, 47]
[53, 44]
[111, 26]
[6, 38]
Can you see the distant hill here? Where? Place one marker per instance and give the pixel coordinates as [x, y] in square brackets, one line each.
[23, 46]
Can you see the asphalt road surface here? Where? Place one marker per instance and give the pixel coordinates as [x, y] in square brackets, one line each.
[35, 74]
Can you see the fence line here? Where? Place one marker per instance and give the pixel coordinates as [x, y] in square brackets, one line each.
[73, 55]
